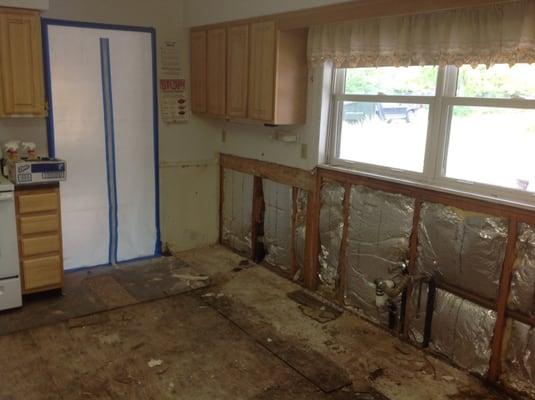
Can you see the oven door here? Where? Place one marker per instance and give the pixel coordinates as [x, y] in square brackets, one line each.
[9, 250]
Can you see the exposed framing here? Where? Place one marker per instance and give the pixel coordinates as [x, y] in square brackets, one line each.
[312, 182]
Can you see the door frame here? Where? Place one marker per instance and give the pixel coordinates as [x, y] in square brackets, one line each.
[45, 23]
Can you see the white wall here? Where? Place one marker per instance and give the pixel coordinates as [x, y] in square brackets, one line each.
[188, 152]
[189, 172]
[34, 4]
[256, 141]
[201, 12]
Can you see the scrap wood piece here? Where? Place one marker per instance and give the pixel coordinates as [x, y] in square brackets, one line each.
[313, 365]
[189, 277]
[82, 322]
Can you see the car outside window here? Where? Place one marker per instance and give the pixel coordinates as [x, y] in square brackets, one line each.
[468, 129]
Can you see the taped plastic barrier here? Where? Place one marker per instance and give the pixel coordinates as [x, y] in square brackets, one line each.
[522, 297]
[278, 223]
[300, 231]
[462, 248]
[380, 226]
[460, 330]
[331, 227]
[519, 363]
[237, 210]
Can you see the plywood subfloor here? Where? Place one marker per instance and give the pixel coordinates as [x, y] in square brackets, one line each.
[241, 338]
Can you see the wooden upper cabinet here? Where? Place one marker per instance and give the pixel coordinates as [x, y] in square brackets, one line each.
[21, 63]
[250, 70]
[198, 72]
[262, 71]
[237, 70]
[216, 71]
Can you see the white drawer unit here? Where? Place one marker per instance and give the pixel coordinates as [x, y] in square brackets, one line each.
[10, 294]
[10, 289]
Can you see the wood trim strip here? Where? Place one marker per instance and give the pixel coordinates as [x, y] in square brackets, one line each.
[293, 253]
[312, 240]
[413, 256]
[221, 200]
[290, 176]
[467, 295]
[501, 307]
[257, 218]
[342, 259]
[429, 195]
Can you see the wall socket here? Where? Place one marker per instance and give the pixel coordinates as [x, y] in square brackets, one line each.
[223, 135]
[304, 151]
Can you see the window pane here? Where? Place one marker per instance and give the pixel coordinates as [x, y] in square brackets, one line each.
[499, 81]
[416, 81]
[386, 134]
[493, 146]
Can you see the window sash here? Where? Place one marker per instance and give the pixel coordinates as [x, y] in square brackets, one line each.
[438, 133]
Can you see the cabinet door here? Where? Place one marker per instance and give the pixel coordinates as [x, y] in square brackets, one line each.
[216, 71]
[21, 62]
[237, 70]
[262, 71]
[198, 71]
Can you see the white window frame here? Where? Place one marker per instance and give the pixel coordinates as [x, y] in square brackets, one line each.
[434, 171]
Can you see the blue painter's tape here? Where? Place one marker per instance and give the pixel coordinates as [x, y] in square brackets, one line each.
[156, 119]
[109, 136]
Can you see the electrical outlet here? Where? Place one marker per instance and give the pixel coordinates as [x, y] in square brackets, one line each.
[304, 151]
[223, 135]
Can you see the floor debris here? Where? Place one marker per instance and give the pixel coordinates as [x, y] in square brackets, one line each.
[109, 339]
[314, 308]
[154, 363]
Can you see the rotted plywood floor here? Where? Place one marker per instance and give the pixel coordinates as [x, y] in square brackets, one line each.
[246, 334]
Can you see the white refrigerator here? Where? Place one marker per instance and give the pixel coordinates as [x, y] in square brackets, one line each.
[10, 289]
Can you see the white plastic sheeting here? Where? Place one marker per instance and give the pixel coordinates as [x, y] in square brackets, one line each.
[80, 138]
[380, 226]
[461, 248]
[278, 223]
[461, 330]
[237, 210]
[522, 297]
[331, 229]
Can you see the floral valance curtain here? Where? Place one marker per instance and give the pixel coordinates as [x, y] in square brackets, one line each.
[501, 33]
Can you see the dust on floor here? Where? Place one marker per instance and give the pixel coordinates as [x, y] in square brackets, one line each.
[248, 336]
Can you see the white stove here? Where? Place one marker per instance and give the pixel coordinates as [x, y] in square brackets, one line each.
[10, 290]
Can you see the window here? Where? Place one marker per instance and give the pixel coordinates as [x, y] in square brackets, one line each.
[469, 129]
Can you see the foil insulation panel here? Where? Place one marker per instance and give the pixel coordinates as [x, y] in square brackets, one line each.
[300, 231]
[380, 226]
[331, 227]
[522, 296]
[462, 248]
[519, 363]
[461, 330]
[278, 223]
[237, 210]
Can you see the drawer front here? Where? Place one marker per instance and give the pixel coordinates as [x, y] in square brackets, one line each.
[10, 296]
[39, 224]
[38, 202]
[40, 245]
[41, 272]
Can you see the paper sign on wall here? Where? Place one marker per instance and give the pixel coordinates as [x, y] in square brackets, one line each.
[170, 58]
[174, 103]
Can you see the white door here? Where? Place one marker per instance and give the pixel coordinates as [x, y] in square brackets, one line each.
[103, 124]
